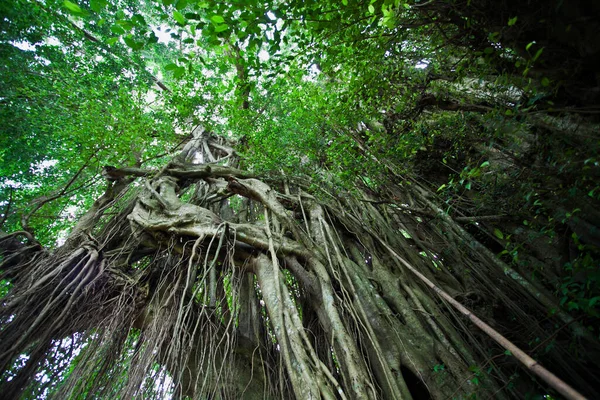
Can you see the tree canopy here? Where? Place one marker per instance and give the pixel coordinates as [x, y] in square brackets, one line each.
[299, 199]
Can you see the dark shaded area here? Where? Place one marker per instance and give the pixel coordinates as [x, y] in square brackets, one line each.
[560, 38]
[417, 388]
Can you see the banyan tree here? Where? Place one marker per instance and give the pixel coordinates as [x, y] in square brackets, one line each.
[199, 279]
[299, 200]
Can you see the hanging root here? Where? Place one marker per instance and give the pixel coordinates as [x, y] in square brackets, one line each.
[244, 292]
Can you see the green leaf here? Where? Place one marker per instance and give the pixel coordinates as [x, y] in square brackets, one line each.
[345, 2]
[545, 82]
[484, 164]
[371, 9]
[170, 67]
[129, 41]
[112, 40]
[179, 17]
[389, 22]
[217, 19]
[179, 71]
[494, 36]
[537, 54]
[153, 38]
[117, 30]
[512, 21]
[181, 4]
[221, 28]
[593, 301]
[564, 299]
[127, 25]
[97, 5]
[139, 20]
[195, 16]
[441, 187]
[72, 7]
[508, 352]
[498, 233]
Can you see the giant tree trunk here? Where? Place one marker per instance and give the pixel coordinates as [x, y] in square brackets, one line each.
[208, 282]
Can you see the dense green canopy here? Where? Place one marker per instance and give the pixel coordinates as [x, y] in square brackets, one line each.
[176, 164]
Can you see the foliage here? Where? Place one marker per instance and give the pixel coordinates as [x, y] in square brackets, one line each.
[68, 108]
